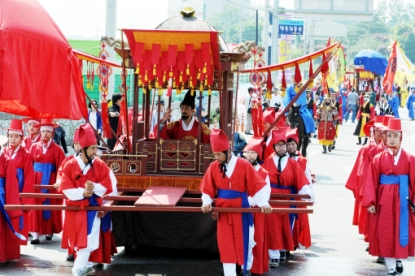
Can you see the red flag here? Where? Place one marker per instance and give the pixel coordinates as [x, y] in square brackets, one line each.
[390, 71]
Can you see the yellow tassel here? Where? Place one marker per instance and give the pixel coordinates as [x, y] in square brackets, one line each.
[92, 86]
[187, 70]
[140, 82]
[192, 92]
[204, 69]
[201, 87]
[181, 77]
[88, 85]
[164, 76]
[137, 71]
[161, 92]
[157, 84]
[146, 77]
[174, 83]
[198, 75]
[154, 70]
[144, 90]
[209, 91]
[150, 87]
[178, 91]
[170, 74]
[206, 81]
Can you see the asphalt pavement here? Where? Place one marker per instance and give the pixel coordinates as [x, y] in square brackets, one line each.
[337, 248]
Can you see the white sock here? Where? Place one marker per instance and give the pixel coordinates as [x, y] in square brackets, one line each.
[391, 263]
[229, 269]
[274, 254]
[35, 235]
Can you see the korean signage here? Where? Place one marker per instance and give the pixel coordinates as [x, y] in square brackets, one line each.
[291, 27]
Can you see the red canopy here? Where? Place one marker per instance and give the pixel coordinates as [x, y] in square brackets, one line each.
[39, 74]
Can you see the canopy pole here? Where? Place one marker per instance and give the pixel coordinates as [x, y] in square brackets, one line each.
[124, 73]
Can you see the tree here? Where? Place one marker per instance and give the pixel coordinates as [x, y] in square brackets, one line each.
[409, 48]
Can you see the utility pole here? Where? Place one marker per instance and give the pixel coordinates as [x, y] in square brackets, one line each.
[265, 31]
[275, 44]
[110, 30]
[256, 27]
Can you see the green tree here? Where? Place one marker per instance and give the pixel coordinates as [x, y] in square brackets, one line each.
[409, 47]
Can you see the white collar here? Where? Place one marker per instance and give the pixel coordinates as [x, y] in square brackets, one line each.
[395, 158]
[269, 139]
[190, 126]
[284, 161]
[257, 166]
[84, 168]
[230, 167]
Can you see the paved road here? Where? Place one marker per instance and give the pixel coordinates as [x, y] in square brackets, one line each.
[337, 248]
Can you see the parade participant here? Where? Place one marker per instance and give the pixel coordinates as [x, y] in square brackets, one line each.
[393, 101]
[114, 118]
[390, 182]
[154, 116]
[25, 176]
[301, 231]
[233, 180]
[343, 95]
[94, 118]
[268, 118]
[47, 157]
[33, 133]
[366, 111]
[352, 103]
[310, 102]
[286, 177]
[76, 147]
[107, 247]
[338, 104]
[327, 117]
[410, 104]
[252, 154]
[9, 220]
[248, 107]
[302, 102]
[187, 127]
[85, 180]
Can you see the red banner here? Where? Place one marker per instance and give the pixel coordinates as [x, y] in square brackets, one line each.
[390, 71]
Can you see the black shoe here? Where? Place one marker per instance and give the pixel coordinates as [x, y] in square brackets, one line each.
[358, 143]
[364, 144]
[324, 152]
[70, 258]
[274, 263]
[283, 257]
[330, 147]
[367, 249]
[35, 241]
[30, 235]
[49, 237]
[380, 260]
[399, 266]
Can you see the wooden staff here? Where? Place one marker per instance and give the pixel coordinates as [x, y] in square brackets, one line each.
[183, 200]
[153, 209]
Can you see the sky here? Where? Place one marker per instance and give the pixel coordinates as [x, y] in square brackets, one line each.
[85, 19]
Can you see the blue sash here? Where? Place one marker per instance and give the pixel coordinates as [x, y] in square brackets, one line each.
[106, 222]
[292, 189]
[403, 181]
[247, 218]
[3, 211]
[46, 169]
[91, 214]
[20, 178]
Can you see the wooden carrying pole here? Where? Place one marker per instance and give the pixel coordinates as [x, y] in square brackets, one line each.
[153, 209]
[183, 200]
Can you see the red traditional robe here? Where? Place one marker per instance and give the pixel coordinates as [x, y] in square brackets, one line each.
[23, 160]
[54, 155]
[384, 237]
[27, 141]
[73, 178]
[365, 216]
[302, 225]
[174, 130]
[260, 264]
[291, 177]
[229, 226]
[9, 243]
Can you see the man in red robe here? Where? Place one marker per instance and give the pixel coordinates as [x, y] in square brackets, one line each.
[286, 177]
[85, 180]
[187, 128]
[233, 180]
[390, 184]
[25, 175]
[301, 231]
[9, 194]
[269, 117]
[252, 153]
[47, 157]
[33, 134]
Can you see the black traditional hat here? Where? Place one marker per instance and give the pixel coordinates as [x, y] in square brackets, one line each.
[189, 100]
